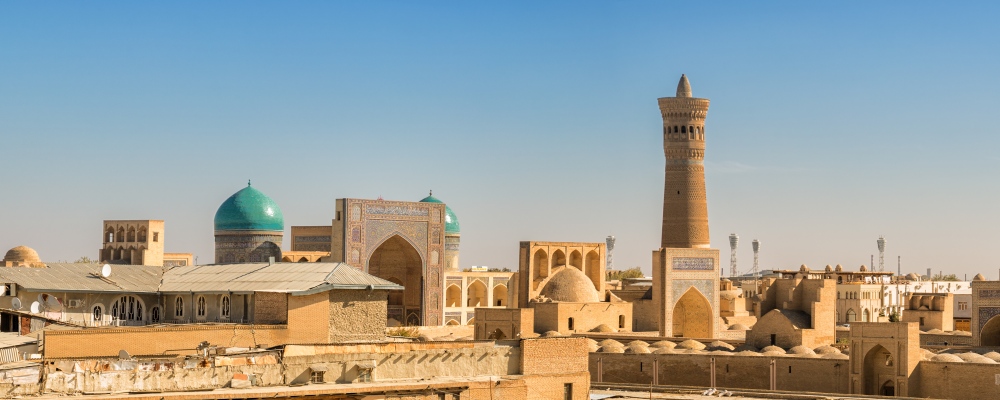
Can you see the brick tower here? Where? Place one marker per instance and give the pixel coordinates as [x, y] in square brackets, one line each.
[685, 269]
[685, 212]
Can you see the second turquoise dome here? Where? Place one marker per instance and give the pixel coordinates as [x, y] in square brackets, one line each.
[450, 220]
[249, 210]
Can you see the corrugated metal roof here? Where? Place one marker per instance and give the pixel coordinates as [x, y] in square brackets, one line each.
[302, 278]
[277, 277]
[85, 277]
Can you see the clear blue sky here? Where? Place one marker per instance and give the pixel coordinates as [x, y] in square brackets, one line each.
[830, 123]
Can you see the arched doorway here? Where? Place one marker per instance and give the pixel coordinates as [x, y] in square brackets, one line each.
[540, 267]
[477, 295]
[576, 260]
[593, 269]
[499, 296]
[453, 296]
[692, 316]
[990, 335]
[397, 260]
[880, 371]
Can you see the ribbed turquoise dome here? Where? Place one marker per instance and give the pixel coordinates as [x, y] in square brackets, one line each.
[450, 220]
[249, 210]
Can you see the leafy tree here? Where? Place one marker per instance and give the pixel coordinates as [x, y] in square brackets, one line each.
[84, 259]
[894, 317]
[942, 277]
[633, 272]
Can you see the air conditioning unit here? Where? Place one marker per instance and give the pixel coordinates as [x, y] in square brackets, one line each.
[75, 303]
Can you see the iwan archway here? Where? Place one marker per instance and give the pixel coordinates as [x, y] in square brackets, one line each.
[692, 315]
[398, 261]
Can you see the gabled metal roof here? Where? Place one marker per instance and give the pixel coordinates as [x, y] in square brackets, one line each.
[296, 278]
[85, 277]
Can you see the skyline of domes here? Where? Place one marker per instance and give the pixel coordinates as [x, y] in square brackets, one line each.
[451, 225]
[249, 210]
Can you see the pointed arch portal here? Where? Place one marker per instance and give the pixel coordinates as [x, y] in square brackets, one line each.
[692, 316]
[398, 261]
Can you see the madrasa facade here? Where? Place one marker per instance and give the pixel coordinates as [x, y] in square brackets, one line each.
[413, 244]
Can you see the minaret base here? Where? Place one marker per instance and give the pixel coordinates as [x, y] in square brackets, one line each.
[686, 292]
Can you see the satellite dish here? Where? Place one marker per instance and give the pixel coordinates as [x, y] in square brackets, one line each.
[123, 355]
[15, 303]
[42, 297]
[53, 303]
[106, 270]
[36, 307]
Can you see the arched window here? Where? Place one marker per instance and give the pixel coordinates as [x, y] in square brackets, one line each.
[142, 234]
[621, 322]
[154, 315]
[98, 314]
[179, 307]
[851, 316]
[121, 235]
[224, 307]
[127, 309]
[202, 309]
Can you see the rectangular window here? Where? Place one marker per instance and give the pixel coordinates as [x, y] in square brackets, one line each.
[921, 321]
[156, 236]
[316, 377]
[568, 391]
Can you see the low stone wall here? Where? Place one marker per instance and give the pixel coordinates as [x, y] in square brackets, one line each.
[944, 339]
[951, 380]
[153, 341]
[731, 371]
[412, 360]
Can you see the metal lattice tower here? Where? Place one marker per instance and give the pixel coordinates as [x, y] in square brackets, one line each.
[881, 253]
[608, 265]
[734, 239]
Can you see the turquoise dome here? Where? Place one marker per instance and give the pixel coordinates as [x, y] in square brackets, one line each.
[249, 210]
[450, 220]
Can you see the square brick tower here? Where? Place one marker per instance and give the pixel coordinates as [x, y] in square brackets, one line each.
[685, 269]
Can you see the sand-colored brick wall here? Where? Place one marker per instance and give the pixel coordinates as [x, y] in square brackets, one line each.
[554, 356]
[181, 339]
[512, 322]
[949, 380]
[270, 308]
[586, 316]
[791, 373]
[308, 318]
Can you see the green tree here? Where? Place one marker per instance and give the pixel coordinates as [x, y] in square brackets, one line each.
[894, 317]
[633, 272]
[84, 259]
[943, 277]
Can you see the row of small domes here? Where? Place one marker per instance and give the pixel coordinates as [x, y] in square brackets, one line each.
[251, 210]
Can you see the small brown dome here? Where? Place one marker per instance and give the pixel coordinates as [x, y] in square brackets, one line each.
[979, 277]
[23, 254]
[864, 268]
[804, 268]
[572, 286]
[828, 268]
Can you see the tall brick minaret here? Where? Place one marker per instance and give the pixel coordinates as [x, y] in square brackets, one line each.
[685, 212]
[685, 269]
